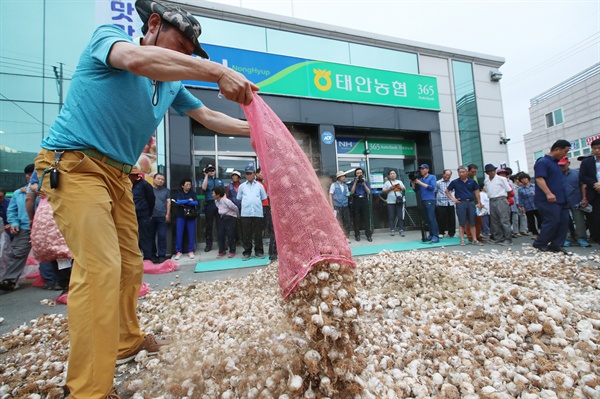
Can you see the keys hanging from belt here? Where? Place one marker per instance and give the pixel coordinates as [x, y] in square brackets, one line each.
[53, 170]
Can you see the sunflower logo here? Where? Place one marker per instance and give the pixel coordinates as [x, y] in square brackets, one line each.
[322, 79]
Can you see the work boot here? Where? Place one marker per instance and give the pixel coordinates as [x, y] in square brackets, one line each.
[149, 344]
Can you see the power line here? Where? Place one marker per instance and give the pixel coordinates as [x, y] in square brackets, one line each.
[24, 110]
[577, 48]
[30, 76]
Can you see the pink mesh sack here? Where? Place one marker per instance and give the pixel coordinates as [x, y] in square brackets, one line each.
[306, 230]
[47, 243]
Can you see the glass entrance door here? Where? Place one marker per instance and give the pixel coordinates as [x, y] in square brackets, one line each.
[227, 164]
[349, 164]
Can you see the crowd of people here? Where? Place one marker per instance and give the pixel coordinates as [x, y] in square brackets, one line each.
[557, 207]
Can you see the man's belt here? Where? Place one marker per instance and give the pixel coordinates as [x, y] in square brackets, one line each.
[465, 199]
[359, 196]
[92, 153]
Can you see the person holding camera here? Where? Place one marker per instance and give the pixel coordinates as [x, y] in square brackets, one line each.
[395, 190]
[426, 185]
[210, 209]
[360, 204]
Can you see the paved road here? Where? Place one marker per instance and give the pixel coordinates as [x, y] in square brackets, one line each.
[23, 305]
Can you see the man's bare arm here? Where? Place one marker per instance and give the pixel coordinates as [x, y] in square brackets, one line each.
[167, 65]
[219, 122]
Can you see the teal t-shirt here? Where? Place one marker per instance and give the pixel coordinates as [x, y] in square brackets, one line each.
[111, 109]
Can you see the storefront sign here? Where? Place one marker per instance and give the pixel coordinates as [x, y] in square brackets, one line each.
[297, 77]
[391, 147]
[588, 140]
[376, 147]
[350, 146]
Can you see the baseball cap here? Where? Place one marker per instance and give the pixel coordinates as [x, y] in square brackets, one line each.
[179, 18]
[563, 161]
[249, 169]
[235, 172]
[209, 167]
[501, 171]
[424, 166]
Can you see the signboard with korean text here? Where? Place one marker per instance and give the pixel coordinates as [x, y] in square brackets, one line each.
[588, 140]
[298, 77]
[121, 13]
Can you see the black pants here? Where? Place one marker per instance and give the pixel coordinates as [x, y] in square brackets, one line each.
[212, 213]
[360, 208]
[595, 219]
[446, 219]
[146, 237]
[343, 218]
[226, 226]
[252, 230]
[268, 223]
[534, 221]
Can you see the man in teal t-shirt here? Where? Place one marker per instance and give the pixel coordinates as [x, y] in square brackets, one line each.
[118, 96]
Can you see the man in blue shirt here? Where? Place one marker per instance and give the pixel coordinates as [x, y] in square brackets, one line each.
[20, 229]
[210, 209]
[426, 186]
[117, 98]
[251, 193]
[551, 200]
[466, 192]
[360, 204]
[574, 197]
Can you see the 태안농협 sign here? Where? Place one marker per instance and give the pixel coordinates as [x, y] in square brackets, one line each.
[298, 77]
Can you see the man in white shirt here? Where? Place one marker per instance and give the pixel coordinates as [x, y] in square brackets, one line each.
[251, 193]
[498, 189]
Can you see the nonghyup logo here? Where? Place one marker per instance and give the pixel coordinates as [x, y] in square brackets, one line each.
[322, 79]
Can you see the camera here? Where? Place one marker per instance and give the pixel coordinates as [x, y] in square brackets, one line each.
[361, 179]
[414, 175]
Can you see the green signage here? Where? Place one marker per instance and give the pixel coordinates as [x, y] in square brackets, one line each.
[329, 81]
[391, 147]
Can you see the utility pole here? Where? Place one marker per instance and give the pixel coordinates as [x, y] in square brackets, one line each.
[518, 166]
[58, 73]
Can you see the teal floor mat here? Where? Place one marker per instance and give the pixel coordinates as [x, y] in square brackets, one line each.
[237, 263]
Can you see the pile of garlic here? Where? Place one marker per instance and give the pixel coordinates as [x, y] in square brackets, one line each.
[427, 325]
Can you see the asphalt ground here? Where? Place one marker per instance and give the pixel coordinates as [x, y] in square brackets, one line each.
[25, 303]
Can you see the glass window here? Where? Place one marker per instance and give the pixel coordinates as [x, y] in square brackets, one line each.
[232, 34]
[576, 153]
[558, 116]
[234, 144]
[587, 151]
[304, 46]
[466, 109]
[554, 118]
[549, 120]
[381, 58]
[538, 154]
[204, 139]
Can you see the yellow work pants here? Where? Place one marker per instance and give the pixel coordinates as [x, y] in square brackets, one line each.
[93, 208]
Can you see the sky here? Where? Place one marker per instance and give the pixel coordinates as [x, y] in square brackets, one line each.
[543, 42]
